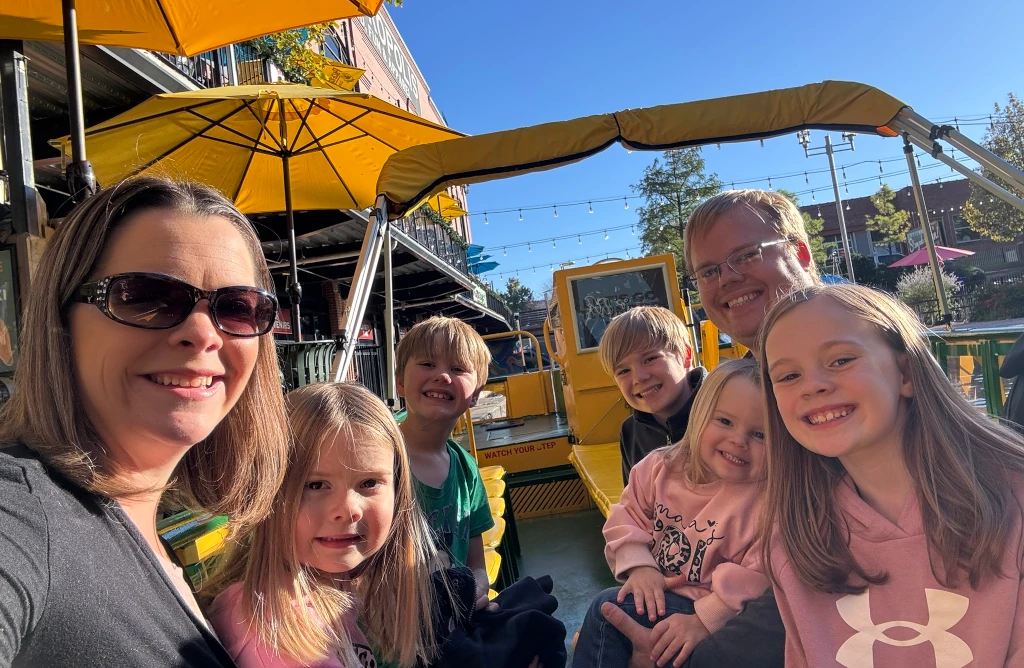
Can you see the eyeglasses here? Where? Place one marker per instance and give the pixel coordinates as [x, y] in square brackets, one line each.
[156, 301]
[740, 261]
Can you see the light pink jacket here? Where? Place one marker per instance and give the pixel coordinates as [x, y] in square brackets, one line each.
[701, 537]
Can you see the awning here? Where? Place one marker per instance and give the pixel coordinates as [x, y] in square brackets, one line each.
[420, 171]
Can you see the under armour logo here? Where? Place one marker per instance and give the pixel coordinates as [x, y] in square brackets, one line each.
[945, 609]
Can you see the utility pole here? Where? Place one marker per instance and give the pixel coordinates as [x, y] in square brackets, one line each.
[804, 137]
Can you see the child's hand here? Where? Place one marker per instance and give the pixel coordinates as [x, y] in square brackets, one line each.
[647, 585]
[482, 599]
[676, 637]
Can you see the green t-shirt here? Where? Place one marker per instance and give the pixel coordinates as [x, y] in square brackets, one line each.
[459, 510]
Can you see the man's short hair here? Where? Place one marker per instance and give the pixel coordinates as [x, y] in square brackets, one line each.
[642, 328]
[448, 337]
[774, 209]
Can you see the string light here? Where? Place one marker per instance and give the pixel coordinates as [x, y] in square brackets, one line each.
[806, 180]
[844, 173]
[813, 197]
[625, 203]
[556, 211]
[590, 207]
[486, 222]
[632, 231]
[504, 252]
[880, 167]
[529, 248]
[606, 235]
[770, 183]
[520, 214]
[553, 245]
[579, 239]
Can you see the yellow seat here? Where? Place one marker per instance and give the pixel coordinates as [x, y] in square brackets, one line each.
[497, 506]
[492, 537]
[495, 488]
[600, 469]
[492, 560]
[491, 594]
[492, 473]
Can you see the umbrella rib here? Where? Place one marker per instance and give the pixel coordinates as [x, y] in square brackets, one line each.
[341, 180]
[170, 28]
[303, 124]
[140, 168]
[220, 123]
[161, 114]
[321, 147]
[344, 124]
[263, 124]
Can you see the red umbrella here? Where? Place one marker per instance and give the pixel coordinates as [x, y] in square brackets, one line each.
[920, 256]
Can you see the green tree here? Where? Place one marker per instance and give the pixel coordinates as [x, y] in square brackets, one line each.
[888, 225]
[516, 295]
[988, 215]
[672, 190]
[813, 227]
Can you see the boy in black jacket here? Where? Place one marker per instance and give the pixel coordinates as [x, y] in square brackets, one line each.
[647, 352]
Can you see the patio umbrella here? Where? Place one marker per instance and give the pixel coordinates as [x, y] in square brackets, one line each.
[182, 27]
[269, 148]
[920, 256]
[445, 205]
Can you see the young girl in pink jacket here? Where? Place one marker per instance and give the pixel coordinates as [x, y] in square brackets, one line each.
[346, 540]
[682, 536]
[893, 506]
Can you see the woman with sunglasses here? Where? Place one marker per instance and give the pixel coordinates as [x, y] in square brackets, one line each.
[145, 370]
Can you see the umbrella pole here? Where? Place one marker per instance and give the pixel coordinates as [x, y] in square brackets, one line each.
[79, 175]
[389, 318]
[926, 229]
[294, 287]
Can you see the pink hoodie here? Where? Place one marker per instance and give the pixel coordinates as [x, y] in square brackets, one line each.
[701, 537]
[911, 620]
[238, 635]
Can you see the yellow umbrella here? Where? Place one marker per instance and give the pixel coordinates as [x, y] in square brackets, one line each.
[338, 76]
[183, 27]
[269, 148]
[445, 205]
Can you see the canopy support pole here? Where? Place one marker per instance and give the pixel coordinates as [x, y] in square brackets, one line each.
[847, 249]
[926, 228]
[360, 289]
[294, 287]
[389, 321]
[81, 179]
[935, 150]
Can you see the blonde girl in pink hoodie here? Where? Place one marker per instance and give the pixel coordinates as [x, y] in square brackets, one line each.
[893, 507]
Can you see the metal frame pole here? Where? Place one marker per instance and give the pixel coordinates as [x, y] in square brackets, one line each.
[359, 290]
[294, 287]
[389, 321]
[80, 176]
[839, 210]
[926, 228]
[16, 143]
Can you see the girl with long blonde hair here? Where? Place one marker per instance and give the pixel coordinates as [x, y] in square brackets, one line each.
[682, 536]
[345, 541]
[893, 513]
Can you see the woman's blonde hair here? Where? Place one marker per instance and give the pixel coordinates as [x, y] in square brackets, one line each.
[298, 610]
[236, 470]
[774, 209]
[687, 451]
[961, 463]
[643, 328]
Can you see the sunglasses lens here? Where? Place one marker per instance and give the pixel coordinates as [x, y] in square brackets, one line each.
[243, 312]
[147, 301]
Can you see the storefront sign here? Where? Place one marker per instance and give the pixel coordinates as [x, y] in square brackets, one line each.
[378, 31]
[366, 332]
[283, 322]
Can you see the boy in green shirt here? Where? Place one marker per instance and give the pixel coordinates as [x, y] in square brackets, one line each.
[440, 368]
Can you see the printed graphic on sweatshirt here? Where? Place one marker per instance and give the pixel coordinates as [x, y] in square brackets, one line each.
[674, 551]
[945, 610]
[365, 656]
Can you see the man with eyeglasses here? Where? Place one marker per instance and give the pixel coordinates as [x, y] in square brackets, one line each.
[744, 250]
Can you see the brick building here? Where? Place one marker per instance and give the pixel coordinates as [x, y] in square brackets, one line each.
[945, 203]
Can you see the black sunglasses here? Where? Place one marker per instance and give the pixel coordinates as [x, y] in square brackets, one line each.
[156, 301]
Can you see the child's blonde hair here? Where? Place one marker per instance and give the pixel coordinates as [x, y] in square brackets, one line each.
[774, 209]
[449, 337]
[687, 451]
[297, 610]
[961, 463]
[643, 328]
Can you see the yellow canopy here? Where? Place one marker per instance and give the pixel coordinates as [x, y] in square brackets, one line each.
[339, 76]
[231, 138]
[185, 27]
[446, 206]
[415, 173]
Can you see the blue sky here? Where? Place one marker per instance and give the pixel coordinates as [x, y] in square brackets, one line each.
[494, 65]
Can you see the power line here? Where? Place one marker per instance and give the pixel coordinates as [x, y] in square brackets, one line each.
[551, 265]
